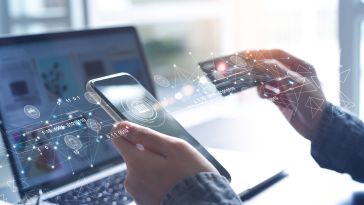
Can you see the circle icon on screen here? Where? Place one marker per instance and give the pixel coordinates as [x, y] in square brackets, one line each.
[144, 110]
[92, 98]
[73, 143]
[93, 125]
[31, 111]
[238, 61]
[161, 81]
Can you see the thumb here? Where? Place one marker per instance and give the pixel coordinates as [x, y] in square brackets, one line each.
[125, 148]
[151, 140]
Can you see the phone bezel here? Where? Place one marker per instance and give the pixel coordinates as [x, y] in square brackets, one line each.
[105, 104]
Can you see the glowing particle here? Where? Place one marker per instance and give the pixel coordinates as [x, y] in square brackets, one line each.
[221, 67]
[203, 80]
[29, 158]
[188, 90]
[178, 96]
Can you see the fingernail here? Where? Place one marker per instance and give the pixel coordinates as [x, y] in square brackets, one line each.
[273, 89]
[140, 147]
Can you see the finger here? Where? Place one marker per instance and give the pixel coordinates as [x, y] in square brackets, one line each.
[135, 155]
[125, 148]
[268, 67]
[277, 54]
[292, 62]
[280, 90]
[151, 140]
[268, 90]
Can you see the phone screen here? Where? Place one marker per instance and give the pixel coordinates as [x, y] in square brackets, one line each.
[126, 96]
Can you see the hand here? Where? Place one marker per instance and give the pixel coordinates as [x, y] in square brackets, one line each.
[155, 162]
[295, 89]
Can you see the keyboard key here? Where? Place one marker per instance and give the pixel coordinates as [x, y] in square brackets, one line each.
[109, 190]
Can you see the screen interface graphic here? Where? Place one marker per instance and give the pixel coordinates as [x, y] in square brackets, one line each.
[137, 105]
[55, 128]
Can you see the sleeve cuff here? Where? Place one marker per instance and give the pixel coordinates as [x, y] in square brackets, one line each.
[335, 141]
[202, 188]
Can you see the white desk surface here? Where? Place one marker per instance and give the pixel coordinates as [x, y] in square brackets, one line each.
[241, 129]
[306, 183]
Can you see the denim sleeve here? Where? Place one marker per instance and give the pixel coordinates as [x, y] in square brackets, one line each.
[339, 143]
[204, 188]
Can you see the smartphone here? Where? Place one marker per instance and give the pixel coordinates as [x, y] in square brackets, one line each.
[234, 73]
[124, 98]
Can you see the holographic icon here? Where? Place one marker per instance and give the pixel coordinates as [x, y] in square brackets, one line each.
[92, 98]
[238, 61]
[31, 111]
[73, 143]
[93, 125]
[144, 110]
[161, 81]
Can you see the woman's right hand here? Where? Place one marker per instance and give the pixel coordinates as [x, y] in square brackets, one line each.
[295, 89]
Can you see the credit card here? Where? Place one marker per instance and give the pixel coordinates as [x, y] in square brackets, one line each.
[235, 73]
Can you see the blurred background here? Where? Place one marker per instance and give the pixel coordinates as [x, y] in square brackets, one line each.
[170, 29]
[177, 34]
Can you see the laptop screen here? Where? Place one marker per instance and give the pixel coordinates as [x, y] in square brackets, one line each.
[54, 129]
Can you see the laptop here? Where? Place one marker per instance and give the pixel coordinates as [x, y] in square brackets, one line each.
[53, 129]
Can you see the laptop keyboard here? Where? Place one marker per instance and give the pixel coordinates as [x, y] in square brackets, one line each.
[109, 190]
